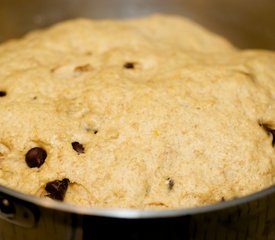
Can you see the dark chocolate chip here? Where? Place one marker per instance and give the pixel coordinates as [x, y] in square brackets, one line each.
[83, 68]
[57, 189]
[270, 131]
[78, 147]
[35, 157]
[222, 199]
[129, 65]
[171, 183]
[3, 93]
[95, 131]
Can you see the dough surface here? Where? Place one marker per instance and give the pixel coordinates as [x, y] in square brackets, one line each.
[168, 114]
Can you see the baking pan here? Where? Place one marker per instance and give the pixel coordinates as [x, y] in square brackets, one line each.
[247, 24]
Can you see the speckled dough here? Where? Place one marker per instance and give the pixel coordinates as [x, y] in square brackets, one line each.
[168, 114]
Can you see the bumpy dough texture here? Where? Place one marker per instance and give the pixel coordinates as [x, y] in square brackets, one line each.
[189, 113]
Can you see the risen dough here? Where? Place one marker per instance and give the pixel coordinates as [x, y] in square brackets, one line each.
[169, 114]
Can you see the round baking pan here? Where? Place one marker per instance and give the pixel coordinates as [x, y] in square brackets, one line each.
[28, 217]
[247, 24]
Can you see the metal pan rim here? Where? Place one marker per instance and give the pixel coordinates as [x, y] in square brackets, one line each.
[134, 213]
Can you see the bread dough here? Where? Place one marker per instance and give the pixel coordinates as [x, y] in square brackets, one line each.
[168, 115]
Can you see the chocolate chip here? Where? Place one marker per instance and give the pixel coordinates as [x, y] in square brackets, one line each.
[57, 189]
[222, 199]
[90, 129]
[270, 131]
[78, 147]
[3, 93]
[170, 183]
[83, 68]
[35, 157]
[129, 65]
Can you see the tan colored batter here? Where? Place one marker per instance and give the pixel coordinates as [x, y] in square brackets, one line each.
[164, 114]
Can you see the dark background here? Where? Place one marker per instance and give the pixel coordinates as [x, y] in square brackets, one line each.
[247, 23]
